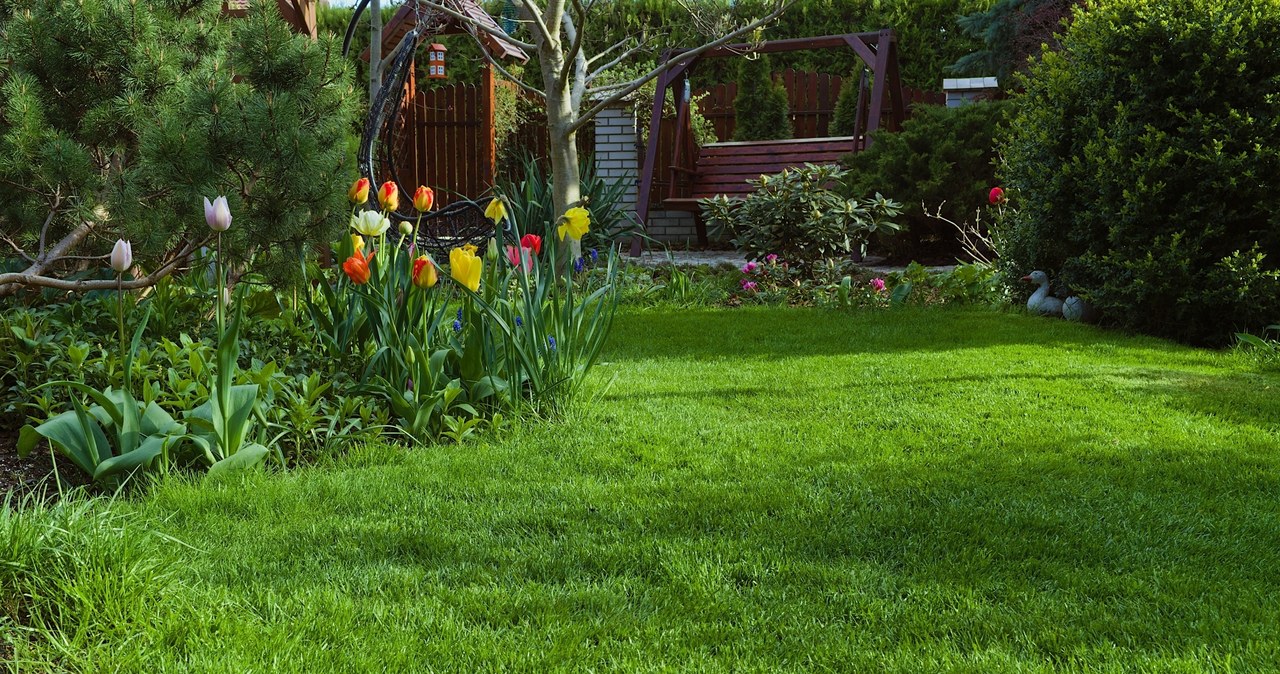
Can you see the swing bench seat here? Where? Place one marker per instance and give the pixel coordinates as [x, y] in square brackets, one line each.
[725, 168]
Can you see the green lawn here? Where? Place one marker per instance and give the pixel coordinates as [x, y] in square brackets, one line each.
[748, 490]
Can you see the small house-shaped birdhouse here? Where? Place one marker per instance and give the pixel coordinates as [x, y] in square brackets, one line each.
[435, 61]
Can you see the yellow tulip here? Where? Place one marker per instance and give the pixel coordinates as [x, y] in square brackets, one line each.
[576, 223]
[465, 268]
[497, 211]
[357, 242]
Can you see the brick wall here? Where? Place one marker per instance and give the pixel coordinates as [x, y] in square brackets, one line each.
[617, 158]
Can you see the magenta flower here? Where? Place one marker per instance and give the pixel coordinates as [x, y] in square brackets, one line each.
[749, 286]
[749, 267]
[771, 258]
[877, 284]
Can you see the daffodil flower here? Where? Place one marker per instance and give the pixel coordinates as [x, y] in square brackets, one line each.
[575, 223]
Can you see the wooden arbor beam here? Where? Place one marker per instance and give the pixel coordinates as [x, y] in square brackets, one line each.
[878, 50]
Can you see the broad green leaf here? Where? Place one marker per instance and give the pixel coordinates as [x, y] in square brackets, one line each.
[28, 438]
[142, 457]
[248, 457]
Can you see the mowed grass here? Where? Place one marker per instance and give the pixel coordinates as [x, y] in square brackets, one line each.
[754, 490]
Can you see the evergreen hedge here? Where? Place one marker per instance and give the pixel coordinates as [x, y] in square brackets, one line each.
[1143, 166]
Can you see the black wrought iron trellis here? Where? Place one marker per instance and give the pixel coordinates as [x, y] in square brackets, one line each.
[438, 231]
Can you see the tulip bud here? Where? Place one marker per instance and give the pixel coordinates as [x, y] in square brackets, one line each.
[406, 228]
[122, 256]
[491, 254]
[217, 214]
[423, 198]
[389, 196]
[359, 192]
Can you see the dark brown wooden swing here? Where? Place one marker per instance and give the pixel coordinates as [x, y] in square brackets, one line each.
[724, 168]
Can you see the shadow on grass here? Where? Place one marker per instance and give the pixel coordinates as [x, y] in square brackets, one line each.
[1248, 398]
[781, 333]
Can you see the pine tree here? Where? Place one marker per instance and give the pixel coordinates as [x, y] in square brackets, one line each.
[846, 115]
[118, 117]
[761, 108]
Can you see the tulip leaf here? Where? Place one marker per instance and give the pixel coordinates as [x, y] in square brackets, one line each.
[248, 457]
[28, 438]
[143, 456]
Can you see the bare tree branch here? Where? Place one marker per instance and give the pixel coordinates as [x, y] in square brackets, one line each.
[575, 39]
[18, 280]
[620, 58]
[539, 23]
[17, 249]
[628, 87]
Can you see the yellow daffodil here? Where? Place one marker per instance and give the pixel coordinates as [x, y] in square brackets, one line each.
[497, 211]
[576, 223]
[465, 267]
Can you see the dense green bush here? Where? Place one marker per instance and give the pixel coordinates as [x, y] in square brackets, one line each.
[1147, 178]
[942, 157]
[124, 115]
[793, 215]
[761, 107]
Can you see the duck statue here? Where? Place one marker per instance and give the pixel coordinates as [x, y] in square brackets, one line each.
[1041, 301]
[1073, 308]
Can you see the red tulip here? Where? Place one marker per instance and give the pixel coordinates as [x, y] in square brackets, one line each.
[357, 267]
[389, 196]
[532, 241]
[996, 196]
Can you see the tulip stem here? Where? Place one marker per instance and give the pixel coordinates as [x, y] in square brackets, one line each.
[222, 284]
[120, 324]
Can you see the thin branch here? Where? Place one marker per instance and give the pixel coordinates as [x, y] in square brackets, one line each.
[17, 249]
[24, 279]
[575, 36]
[621, 57]
[53, 212]
[507, 74]
[541, 27]
[470, 21]
[635, 84]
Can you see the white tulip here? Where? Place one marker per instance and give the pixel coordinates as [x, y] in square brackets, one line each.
[217, 214]
[122, 256]
[370, 223]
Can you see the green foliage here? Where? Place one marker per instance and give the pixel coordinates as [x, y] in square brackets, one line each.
[1012, 32]
[1146, 184]
[845, 119]
[761, 107]
[942, 157]
[794, 215]
[158, 105]
[531, 203]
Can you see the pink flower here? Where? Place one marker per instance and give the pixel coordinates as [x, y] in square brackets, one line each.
[877, 284]
[996, 196]
[749, 286]
[771, 258]
[749, 267]
[520, 258]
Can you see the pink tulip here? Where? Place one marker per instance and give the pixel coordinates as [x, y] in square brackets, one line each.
[877, 284]
[749, 267]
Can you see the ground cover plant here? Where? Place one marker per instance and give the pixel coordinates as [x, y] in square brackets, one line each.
[909, 490]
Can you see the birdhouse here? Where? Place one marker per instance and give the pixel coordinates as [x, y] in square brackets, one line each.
[435, 61]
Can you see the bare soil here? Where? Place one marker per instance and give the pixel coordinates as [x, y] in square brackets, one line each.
[33, 474]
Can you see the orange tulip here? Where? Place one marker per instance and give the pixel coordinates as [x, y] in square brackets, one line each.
[423, 198]
[357, 267]
[359, 192]
[389, 196]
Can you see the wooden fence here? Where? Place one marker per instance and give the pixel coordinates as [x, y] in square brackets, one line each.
[447, 143]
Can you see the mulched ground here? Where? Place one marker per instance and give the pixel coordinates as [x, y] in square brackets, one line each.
[33, 474]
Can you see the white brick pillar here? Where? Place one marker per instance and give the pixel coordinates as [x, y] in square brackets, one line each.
[617, 156]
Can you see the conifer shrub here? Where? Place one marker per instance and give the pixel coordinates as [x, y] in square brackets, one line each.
[942, 157]
[761, 108]
[127, 114]
[1142, 166]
